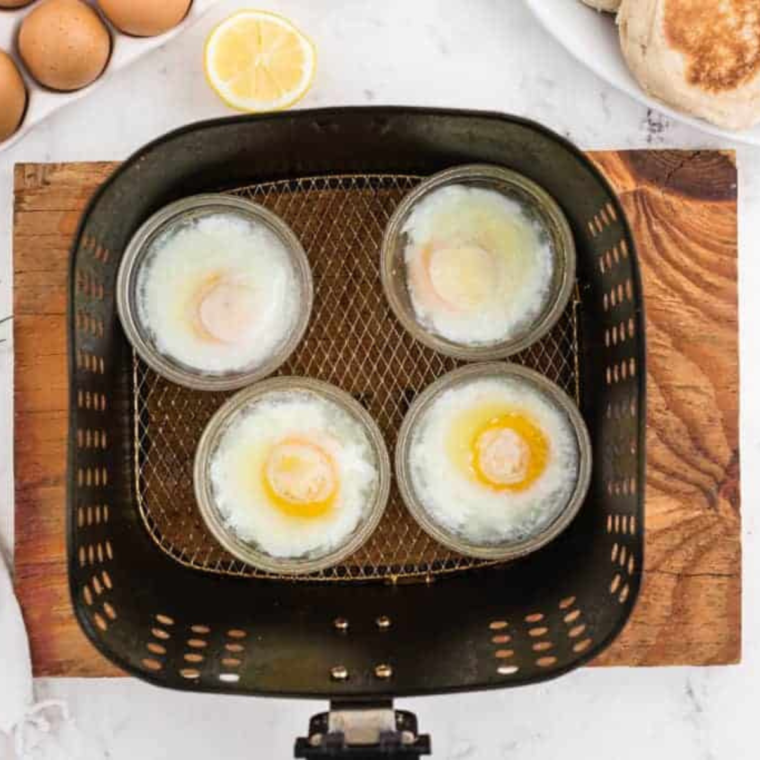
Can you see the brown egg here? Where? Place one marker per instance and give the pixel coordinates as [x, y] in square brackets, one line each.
[64, 44]
[12, 97]
[145, 18]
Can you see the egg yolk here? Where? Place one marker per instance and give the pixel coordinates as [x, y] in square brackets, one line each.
[502, 449]
[300, 478]
[221, 309]
[456, 277]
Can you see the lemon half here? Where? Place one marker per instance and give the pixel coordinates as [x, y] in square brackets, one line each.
[259, 61]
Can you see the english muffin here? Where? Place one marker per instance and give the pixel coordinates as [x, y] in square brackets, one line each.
[699, 56]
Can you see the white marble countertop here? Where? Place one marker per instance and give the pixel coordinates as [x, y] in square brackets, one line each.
[486, 54]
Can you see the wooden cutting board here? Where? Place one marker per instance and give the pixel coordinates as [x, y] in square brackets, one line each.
[682, 207]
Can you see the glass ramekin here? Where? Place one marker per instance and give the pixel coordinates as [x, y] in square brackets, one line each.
[248, 552]
[464, 375]
[135, 256]
[537, 202]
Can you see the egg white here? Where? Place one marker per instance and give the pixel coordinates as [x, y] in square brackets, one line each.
[522, 256]
[470, 509]
[238, 487]
[181, 258]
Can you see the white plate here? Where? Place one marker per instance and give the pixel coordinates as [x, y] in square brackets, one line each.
[592, 38]
[124, 51]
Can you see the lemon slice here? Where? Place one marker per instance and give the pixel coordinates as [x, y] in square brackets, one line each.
[258, 61]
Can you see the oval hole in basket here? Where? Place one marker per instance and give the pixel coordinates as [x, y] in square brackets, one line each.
[535, 632]
[624, 593]
[623, 553]
[535, 617]
[582, 646]
[229, 677]
[197, 643]
[190, 673]
[572, 616]
[631, 564]
[193, 657]
[236, 633]
[231, 662]
[164, 619]
[615, 549]
[155, 648]
[507, 670]
[567, 602]
[109, 610]
[501, 639]
[159, 633]
[234, 647]
[87, 594]
[503, 654]
[100, 621]
[542, 646]
[615, 583]
[152, 664]
[107, 579]
[576, 631]
[498, 625]
[200, 629]
[546, 662]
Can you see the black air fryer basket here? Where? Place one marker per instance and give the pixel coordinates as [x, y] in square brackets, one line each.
[404, 617]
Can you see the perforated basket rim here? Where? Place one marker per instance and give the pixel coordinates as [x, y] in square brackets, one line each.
[598, 646]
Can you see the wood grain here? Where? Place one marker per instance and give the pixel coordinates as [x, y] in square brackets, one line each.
[682, 207]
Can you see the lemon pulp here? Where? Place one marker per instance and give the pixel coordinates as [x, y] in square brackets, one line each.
[259, 61]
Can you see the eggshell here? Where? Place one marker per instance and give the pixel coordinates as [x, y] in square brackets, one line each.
[64, 44]
[14, 3]
[12, 97]
[145, 18]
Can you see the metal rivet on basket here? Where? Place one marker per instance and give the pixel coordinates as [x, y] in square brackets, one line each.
[339, 673]
[383, 671]
[383, 622]
[341, 624]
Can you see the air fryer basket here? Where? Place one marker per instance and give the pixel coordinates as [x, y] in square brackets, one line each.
[175, 624]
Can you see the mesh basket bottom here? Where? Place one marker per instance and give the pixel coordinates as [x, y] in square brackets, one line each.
[353, 341]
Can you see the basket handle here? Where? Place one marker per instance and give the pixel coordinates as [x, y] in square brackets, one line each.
[363, 731]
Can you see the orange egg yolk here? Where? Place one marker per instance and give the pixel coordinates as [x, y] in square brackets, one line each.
[222, 309]
[300, 478]
[454, 277]
[501, 449]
